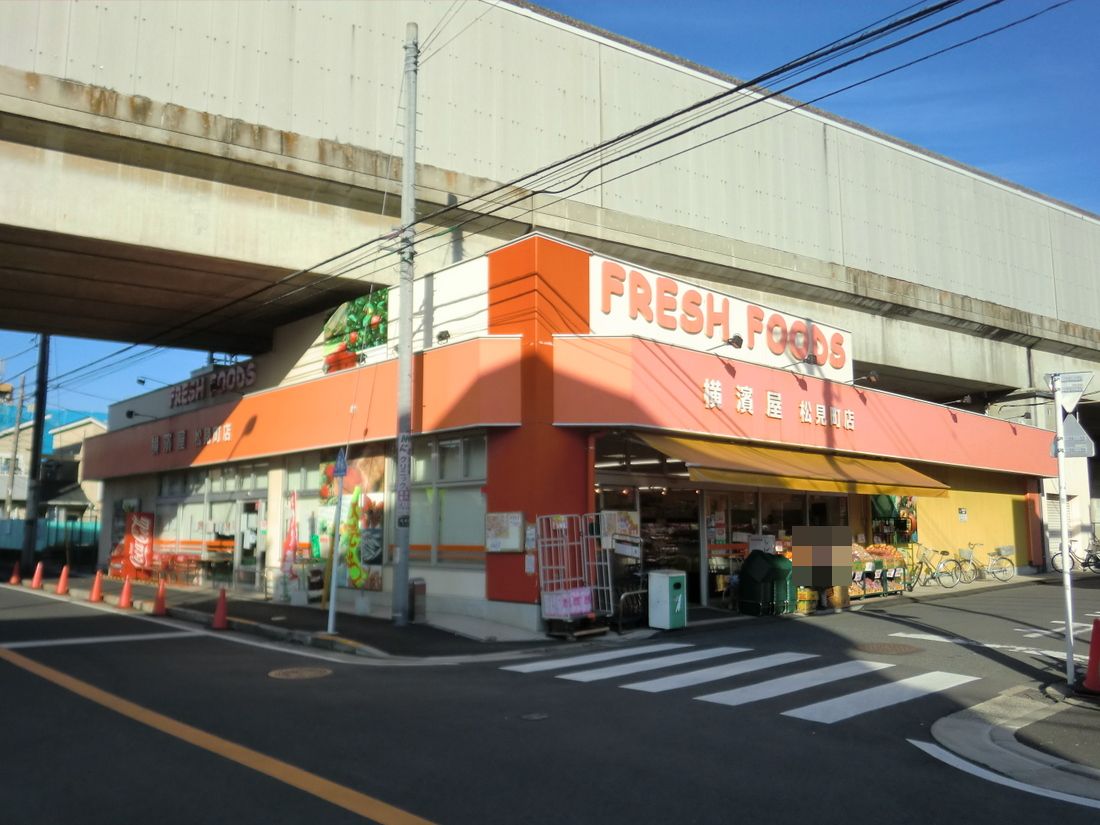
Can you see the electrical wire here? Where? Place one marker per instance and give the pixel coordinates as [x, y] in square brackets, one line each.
[848, 87]
[864, 35]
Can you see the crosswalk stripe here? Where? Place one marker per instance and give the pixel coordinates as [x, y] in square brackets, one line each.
[713, 674]
[864, 701]
[716, 672]
[790, 684]
[627, 668]
[603, 656]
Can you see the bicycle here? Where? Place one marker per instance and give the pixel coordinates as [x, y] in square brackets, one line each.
[998, 564]
[1089, 559]
[947, 573]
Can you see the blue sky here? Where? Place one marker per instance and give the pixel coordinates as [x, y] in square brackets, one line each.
[1021, 105]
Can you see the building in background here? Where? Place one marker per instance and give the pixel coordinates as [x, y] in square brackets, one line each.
[206, 197]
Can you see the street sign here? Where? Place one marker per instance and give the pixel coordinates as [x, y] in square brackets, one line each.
[1077, 441]
[341, 468]
[1073, 387]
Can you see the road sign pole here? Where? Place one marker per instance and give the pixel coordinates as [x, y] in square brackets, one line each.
[338, 475]
[1063, 517]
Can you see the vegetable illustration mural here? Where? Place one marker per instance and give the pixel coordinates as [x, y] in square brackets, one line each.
[355, 327]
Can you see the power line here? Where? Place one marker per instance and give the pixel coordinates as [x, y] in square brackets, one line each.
[863, 36]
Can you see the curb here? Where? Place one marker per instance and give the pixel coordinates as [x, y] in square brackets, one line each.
[1061, 692]
[985, 734]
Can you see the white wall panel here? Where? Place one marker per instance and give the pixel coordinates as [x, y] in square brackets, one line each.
[503, 91]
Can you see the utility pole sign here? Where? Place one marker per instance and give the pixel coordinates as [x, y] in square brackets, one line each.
[1072, 441]
[339, 473]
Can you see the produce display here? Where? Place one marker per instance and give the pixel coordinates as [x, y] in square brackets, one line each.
[877, 570]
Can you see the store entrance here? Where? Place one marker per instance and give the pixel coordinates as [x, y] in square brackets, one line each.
[669, 522]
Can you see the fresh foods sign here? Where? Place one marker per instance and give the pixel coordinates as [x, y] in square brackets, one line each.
[627, 301]
[235, 378]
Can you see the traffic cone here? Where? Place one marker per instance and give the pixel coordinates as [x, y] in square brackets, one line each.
[36, 582]
[15, 577]
[221, 613]
[97, 588]
[1091, 682]
[159, 608]
[62, 588]
[126, 600]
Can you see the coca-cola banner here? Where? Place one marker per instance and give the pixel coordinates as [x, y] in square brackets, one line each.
[134, 555]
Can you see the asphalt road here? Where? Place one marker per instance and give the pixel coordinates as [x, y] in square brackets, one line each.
[194, 727]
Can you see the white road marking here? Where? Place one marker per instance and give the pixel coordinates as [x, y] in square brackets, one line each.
[1029, 651]
[876, 698]
[627, 668]
[226, 636]
[713, 674]
[948, 758]
[790, 684]
[591, 658]
[96, 640]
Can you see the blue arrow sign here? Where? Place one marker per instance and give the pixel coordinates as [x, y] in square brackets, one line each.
[341, 463]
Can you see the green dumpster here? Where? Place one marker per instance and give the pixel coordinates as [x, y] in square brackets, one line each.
[784, 592]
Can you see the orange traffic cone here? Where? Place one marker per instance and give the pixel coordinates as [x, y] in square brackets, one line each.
[1091, 682]
[62, 588]
[15, 577]
[221, 613]
[97, 588]
[126, 600]
[159, 608]
[36, 582]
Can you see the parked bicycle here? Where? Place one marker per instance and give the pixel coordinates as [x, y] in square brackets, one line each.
[1088, 558]
[946, 572]
[998, 564]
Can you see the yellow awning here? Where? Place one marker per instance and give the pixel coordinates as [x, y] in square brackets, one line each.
[776, 467]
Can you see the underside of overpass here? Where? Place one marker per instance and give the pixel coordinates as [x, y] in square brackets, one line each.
[93, 288]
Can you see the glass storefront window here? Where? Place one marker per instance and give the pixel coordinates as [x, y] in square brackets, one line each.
[743, 518]
[474, 450]
[217, 484]
[450, 460]
[261, 477]
[196, 482]
[782, 512]
[422, 460]
[828, 511]
[231, 479]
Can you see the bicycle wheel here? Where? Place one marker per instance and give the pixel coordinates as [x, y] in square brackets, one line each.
[968, 571]
[948, 573]
[1056, 561]
[1092, 562]
[1002, 569]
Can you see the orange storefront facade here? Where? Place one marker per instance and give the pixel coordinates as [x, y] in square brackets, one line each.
[571, 383]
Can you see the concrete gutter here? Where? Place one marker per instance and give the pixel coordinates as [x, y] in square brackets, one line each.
[986, 734]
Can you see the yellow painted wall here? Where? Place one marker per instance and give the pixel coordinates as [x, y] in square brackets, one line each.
[996, 513]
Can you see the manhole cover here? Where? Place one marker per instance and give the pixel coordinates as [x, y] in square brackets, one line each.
[300, 673]
[888, 648]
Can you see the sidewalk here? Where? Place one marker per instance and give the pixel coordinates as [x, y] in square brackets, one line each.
[375, 635]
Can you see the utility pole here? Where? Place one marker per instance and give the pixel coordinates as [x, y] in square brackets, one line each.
[30, 522]
[15, 444]
[400, 600]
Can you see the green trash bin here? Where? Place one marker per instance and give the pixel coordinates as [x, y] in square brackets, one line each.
[667, 599]
[755, 593]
